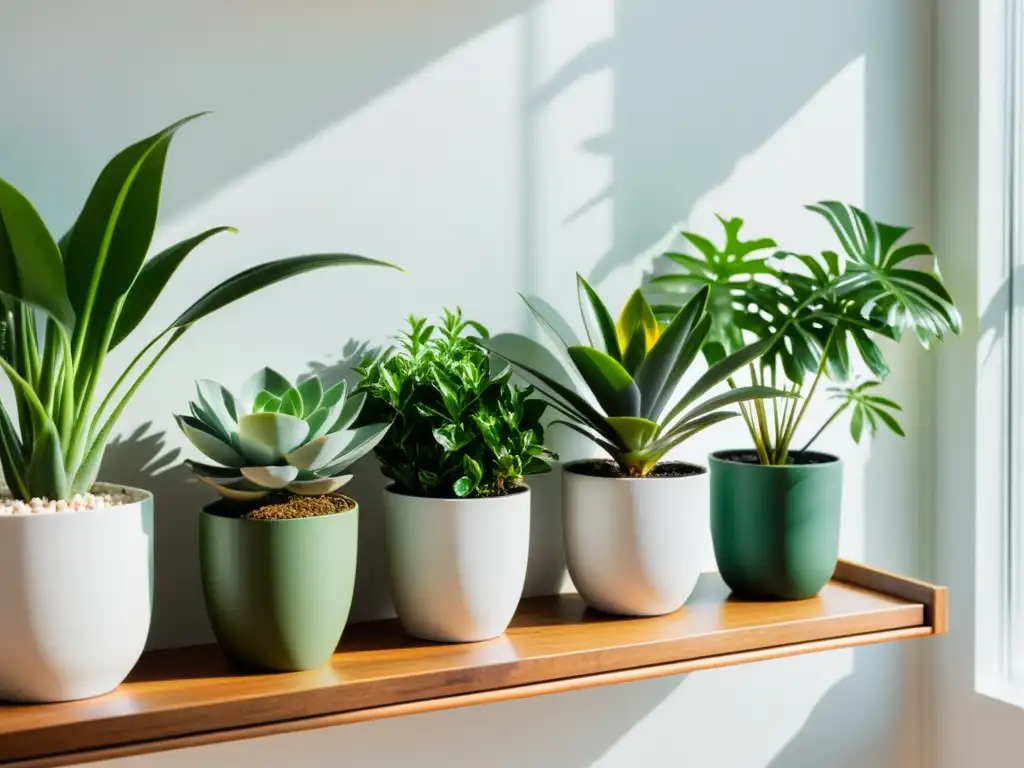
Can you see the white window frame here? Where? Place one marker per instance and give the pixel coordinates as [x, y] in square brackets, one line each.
[999, 471]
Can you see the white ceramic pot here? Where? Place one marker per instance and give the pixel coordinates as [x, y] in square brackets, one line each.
[634, 546]
[75, 599]
[457, 565]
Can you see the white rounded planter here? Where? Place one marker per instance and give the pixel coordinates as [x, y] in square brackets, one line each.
[75, 599]
[457, 565]
[634, 546]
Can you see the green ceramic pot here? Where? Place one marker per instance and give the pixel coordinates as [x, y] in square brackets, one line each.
[278, 592]
[775, 528]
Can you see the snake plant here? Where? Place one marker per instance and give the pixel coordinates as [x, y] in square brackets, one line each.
[276, 435]
[66, 304]
[633, 368]
[812, 309]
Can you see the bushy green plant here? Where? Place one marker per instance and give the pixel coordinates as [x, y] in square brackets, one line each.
[276, 436]
[633, 368]
[66, 305]
[811, 309]
[458, 430]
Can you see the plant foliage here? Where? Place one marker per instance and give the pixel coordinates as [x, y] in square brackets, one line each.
[65, 305]
[459, 430]
[276, 435]
[816, 310]
[632, 368]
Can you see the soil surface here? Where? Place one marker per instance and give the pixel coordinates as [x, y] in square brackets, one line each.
[287, 507]
[608, 468]
[796, 458]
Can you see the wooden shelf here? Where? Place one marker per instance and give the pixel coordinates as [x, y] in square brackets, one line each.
[192, 696]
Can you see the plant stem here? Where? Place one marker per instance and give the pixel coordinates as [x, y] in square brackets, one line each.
[830, 419]
[775, 406]
[784, 448]
[758, 445]
[66, 415]
[117, 384]
[97, 445]
[80, 433]
[789, 413]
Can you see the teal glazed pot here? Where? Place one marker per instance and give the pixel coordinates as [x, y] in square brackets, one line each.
[278, 592]
[775, 529]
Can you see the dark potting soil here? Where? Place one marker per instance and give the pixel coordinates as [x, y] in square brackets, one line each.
[289, 507]
[796, 458]
[608, 468]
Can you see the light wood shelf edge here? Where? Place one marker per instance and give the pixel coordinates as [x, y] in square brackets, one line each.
[424, 706]
[934, 598]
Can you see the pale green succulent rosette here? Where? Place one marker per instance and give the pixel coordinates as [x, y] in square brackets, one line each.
[276, 436]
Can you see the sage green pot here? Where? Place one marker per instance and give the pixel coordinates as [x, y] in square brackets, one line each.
[278, 592]
[775, 528]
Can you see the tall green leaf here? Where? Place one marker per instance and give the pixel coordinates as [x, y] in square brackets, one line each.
[604, 332]
[657, 372]
[262, 275]
[111, 235]
[31, 270]
[152, 279]
[608, 380]
[719, 372]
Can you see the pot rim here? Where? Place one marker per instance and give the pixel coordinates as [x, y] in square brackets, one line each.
[568, 467]
[144, 496]
[204, 510]
[518, 492]
[716, 457]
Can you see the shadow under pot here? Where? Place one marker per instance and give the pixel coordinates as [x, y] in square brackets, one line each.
[278, 591]
[775, 529]
[76, 598]
[457, 566]
[634, 546]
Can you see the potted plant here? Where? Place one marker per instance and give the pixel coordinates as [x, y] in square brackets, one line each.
[633, 523]
[278, 552]
[775, 510]
[76, 603]
[458, 511]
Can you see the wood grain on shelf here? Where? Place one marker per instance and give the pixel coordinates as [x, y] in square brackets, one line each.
[192, 696]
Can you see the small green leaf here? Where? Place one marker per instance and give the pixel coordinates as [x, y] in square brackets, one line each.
[889, 421]
[472, 468]
[463, 487]
[264, 380]
[857, 423]
[310, 393]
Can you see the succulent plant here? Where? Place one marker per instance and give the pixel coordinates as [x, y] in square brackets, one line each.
[276, 436]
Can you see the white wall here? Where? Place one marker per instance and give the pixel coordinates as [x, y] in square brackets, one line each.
[494, 147]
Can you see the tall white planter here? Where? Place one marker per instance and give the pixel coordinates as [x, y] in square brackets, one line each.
[457, 565]
[75, 599]
[634, 546]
